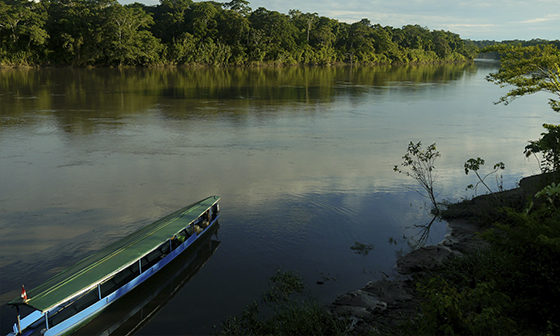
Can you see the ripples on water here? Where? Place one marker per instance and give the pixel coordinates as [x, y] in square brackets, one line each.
[302, 158]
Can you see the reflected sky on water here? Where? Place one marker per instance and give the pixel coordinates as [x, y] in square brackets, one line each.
[302, 158]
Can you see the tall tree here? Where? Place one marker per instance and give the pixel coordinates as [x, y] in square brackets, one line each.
[77, 26]
[233, 27]
[272, 34]
[22, 26]
[128, 42]
[324, 33]
[304, 23]
[441, 44]
[382, 41]
[203, 20]
[170, 19]
[360, 41]
[240, 6]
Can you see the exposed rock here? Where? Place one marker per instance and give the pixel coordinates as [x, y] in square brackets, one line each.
[425, 258]
[462, 239]
[464, 236]
[379, 305]
[360, 302]
[382, 305]
[391, 292]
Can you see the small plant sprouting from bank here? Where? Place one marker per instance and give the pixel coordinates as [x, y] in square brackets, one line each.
[418, 163]
[474, 166]
[289, 317]
[360, 248]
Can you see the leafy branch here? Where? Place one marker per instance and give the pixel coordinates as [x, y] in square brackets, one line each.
[474, 166]
[551, 193]
[419, 164]
[549, 146]
[529, 70]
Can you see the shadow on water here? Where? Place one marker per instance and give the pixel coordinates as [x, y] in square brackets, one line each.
[130, 313]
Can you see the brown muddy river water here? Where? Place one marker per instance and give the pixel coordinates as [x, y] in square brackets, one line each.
[302, 158]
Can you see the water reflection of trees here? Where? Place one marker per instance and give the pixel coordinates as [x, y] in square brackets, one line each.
[79, 98]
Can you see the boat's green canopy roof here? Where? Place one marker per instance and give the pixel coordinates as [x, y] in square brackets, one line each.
[94, 269]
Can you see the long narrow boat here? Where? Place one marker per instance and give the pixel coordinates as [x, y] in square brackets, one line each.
[71, 298]
[134, 310]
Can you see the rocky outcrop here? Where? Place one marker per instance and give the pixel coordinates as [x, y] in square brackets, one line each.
[379, 305]
[383, 305]
[461, 239]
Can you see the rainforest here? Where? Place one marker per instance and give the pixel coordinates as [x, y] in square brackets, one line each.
[94, 33]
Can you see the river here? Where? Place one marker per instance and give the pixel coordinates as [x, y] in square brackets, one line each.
[302, 157]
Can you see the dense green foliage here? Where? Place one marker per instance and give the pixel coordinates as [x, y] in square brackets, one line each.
[103, 32]
[474, 166]
[509, 288]
[549, 147]
[529, 70]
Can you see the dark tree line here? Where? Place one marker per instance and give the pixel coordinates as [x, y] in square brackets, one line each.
[490, 48]
[105, 33]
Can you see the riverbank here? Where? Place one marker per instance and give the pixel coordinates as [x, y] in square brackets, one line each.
[249, 65]
[384, 305]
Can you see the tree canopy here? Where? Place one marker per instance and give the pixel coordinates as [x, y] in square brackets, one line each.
[106, 33]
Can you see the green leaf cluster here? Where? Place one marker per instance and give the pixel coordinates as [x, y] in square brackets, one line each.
[474, 166]
[549, 146]
[285, 284]
[361, 248]
[471, 310]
